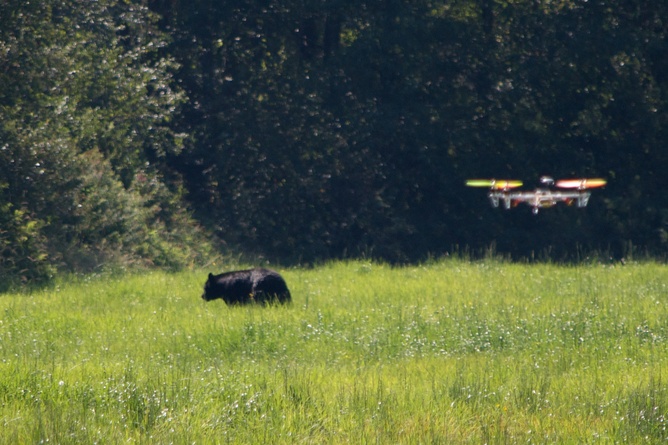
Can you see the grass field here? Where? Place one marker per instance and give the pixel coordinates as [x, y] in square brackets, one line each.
[451, 352]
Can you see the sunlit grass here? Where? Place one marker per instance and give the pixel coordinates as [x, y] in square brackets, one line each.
[448, 352]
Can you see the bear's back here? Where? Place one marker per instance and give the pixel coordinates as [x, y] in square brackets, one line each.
[268, 284]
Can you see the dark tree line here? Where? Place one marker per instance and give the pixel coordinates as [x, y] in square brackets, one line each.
[303, 131]
[323, 129]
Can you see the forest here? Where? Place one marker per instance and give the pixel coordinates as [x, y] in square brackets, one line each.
[164, 133]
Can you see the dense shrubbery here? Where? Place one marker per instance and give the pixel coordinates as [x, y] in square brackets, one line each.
[141, 225]
[302, 132]
[84, 107]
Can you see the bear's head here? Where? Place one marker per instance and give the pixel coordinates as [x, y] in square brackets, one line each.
[209, 289]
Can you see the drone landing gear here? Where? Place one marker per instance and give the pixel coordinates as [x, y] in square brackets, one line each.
[583, 199]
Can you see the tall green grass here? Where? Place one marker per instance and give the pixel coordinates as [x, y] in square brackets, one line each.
[447, 352]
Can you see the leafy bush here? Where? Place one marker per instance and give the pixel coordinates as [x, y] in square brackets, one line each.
[22, 247]
[85, 106]
[143, 225]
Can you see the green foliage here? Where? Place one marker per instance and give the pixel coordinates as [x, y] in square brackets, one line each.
[85, 103]
[22, 248]
[305, 131]
[144, 225]
[446, 352]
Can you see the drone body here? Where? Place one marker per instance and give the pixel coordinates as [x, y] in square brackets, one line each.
[542, 197]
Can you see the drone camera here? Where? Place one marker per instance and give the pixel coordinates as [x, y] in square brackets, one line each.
[547, 180]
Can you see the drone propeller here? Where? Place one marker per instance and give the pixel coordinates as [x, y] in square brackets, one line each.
[498, 184]
[581, 183]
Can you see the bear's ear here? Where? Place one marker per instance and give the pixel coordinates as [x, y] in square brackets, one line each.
[210, 276]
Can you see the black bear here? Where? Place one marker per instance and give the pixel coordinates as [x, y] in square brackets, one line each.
[247, 286]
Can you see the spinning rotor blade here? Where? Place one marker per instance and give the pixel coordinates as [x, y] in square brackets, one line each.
[581, 183]
[507, 184]
[498, 184]
[479, 182]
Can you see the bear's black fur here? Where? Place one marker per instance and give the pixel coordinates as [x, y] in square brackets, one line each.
[247, 286]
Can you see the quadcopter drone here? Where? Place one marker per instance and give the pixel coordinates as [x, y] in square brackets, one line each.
[502, 190]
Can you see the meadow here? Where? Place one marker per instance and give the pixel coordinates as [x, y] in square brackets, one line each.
[449, 352]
